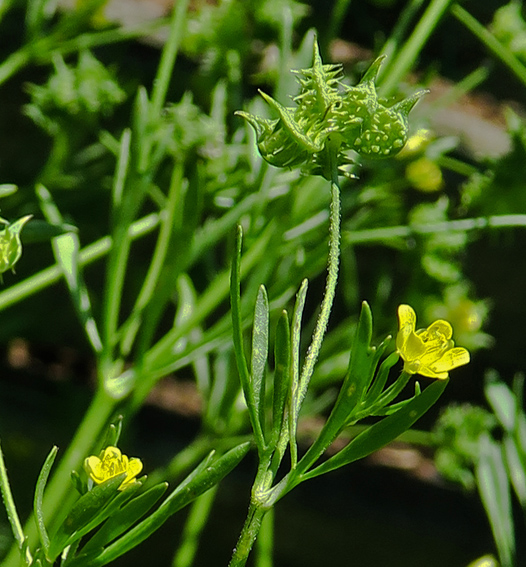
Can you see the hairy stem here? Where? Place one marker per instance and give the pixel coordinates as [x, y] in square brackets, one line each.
[248, 536]
[330, 286]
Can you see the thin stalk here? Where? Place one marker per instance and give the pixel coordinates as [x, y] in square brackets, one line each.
[166, 65]
[491, 42]
[12, 514]
[463, 225]
[14, 63]
[131, 326]
[337, 15]
[248, 536]
[396, 38]
[265, 541]
[105, 37]
[41, 51]
[330, 287]
[466, 85]
[412, 47]
[193, 529]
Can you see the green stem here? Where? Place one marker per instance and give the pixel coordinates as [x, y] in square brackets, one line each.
[193, 529]
[41, 51]
[131, 326]
[490, 41]
[341, 7]
[166, 65]
[16, 61]
[125, 190]
[463, 225]
[265, 541]
[60, 490]
[12, 514]
[330, 286]
[397, 36]
[248, 536]
[91, 40]
[412, 47]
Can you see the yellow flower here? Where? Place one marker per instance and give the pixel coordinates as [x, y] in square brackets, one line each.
[112, 463]
[425, 175]
[429, 352]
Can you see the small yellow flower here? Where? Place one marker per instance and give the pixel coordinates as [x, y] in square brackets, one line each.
[112, 463]
[425, 175]
[429, 352]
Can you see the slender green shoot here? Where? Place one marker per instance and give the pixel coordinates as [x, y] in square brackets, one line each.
[491, 42]
[12, 514]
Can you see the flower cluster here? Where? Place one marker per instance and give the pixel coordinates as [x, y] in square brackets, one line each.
[331, 116]
[110, 464]
[429, 352]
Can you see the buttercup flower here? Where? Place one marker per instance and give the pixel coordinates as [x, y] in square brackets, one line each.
[429, 352]
[112, 463]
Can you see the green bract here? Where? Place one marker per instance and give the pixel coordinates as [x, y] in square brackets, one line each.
[329, 113]
[10, 245]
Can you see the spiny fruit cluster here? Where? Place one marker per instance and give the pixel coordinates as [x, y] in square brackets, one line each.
[330, 119]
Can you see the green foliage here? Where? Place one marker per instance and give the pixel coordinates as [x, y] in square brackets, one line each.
[440, 250]
[155, 193]
[112, 517]
[509, 28]
[488, 451]
[74, 93]
[457, 434]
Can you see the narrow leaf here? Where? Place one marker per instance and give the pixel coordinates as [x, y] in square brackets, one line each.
[494, 489]
[503, 402]
[260, 352]
[294, 401]
[282, 362]
[384, 431]
[66, 251]
[84, 511]
[237, 332]
[125, 517]
[362, 364]
[39, 495]
[516, 463]
[296, 340]
[361, 371]
[12, 514]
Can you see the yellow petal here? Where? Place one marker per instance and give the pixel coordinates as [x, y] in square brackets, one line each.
[429, 372]
[134, 467]
[111, 453]
[440, 328]
[406, 317]
[452, 358]
[414, 348]
[92, 467]
[407, 321]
